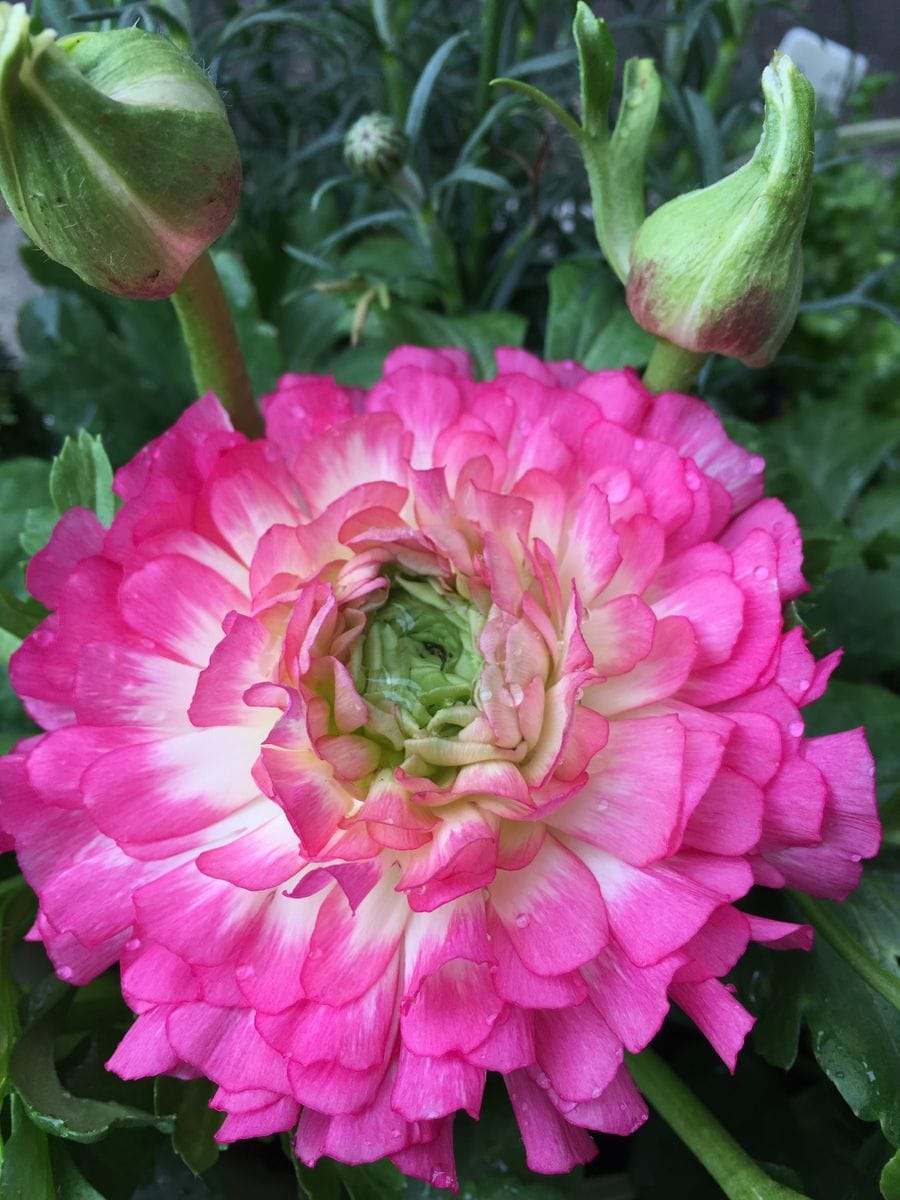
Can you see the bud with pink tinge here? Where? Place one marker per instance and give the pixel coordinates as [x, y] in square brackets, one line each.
[719, 270]
[116, 156]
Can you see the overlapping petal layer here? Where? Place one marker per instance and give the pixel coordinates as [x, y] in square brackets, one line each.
[436, 733]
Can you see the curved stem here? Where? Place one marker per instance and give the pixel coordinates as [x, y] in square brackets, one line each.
[217, 361]
[672, 369]
[736, 1173]
[835, 932]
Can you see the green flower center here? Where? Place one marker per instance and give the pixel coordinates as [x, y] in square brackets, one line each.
[419, 654]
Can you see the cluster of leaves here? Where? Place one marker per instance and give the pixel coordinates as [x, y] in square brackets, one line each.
[326, 272]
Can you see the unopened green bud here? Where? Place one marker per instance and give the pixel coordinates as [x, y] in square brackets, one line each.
[720, 269]
[116, 156]
[375, 146]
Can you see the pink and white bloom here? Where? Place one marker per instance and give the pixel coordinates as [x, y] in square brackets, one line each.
[436, 733]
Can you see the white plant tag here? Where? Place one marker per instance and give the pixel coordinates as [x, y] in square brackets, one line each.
[833, 70]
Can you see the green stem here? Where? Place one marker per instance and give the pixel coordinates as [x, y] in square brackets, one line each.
[672, 369]
[492, 17]
[407, 187]
[736, 1173]
[868, 968]
[881, 132]
[212, 343]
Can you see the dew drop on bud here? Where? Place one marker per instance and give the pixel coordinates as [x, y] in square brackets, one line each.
[756, 465]
[516, 693]
[795, 729]
[601, 805]
[856, 858]
[804, 685]
[596, 1093]
[133, 944]
[692, 479]
[65, 972]
[522, 921]
[543, 1081]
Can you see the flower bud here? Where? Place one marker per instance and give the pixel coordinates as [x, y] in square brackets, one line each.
[375, 146]
[720, 269]
[116, 156]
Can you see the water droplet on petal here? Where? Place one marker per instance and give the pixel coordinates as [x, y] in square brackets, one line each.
[756, 465]
[871, 772]
[315, 953]
[795, 729]
[522, 921]
[133, 944]
[803, 685]
[601, 805]
[856, 858]
[65, 972]
[760, 572]
[543, 1081]
[516, 693]
[395, 1133]
[692, 479]
[579, 693]
[596, 1093]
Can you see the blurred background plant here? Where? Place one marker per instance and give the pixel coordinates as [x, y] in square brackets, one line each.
[475, 231]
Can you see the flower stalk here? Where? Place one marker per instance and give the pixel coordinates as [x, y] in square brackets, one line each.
[671, 369]
[736, 1173]
[217, 362]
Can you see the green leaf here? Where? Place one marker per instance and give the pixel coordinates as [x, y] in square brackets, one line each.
[18, 617]
[372, 1181]
[846, 705]
[70, 1183]
[51, 1107]
[478, 333]
[16, 911]
[82, 476]
[545, 102]
[596, 69]
[418, 103]
[838, 446]
[706, 138]
[321, 1182]
[26, 1173]
[587, 319]
[116, 367]
[477, 175]
[37, 528]
[853, 1029]
[890, 1178]
[195, 1122]
[23, 485]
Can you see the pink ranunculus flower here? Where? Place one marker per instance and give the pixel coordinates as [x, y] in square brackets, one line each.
[436, 733]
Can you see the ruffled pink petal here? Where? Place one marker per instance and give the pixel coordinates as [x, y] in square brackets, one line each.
[553, 913]
[552, 1145]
